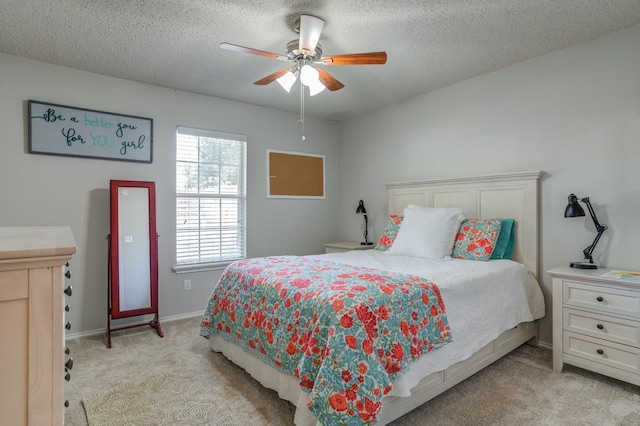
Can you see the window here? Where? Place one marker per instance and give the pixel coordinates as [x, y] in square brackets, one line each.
[210, 197]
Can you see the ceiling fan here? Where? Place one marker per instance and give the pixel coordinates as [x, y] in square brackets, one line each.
[305, 52]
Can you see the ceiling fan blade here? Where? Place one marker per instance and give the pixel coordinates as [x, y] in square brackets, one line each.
[329, 82]
[370, 58]
[310, 29]
[242, 49]
[272, 77]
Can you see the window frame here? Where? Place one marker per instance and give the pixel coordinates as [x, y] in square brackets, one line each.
[241, 196]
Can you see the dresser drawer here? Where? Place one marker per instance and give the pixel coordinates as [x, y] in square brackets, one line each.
[623, 357]
[606, 299]
[601, 326]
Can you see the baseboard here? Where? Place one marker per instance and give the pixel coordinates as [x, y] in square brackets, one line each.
[70, 336]
[545, 345]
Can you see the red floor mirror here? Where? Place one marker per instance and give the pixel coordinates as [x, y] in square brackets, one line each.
[133, 256]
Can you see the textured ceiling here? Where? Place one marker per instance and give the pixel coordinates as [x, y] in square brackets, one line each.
[174, 43]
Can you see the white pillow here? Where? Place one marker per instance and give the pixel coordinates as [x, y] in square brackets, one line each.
[427, 232]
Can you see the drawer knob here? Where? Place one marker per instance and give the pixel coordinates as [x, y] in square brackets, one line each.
[67, 274]
[68, 291]
[67, 351]
[68, 325]
[67, 377]
[66, 308]
[69, 364]
[600, 326]
[600, 352]
[66, 403]
[600, 298]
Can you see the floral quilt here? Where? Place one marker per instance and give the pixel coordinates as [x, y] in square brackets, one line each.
[345, 332]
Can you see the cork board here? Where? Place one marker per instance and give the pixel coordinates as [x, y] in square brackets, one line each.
[294, 175]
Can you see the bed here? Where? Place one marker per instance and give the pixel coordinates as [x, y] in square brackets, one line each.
[463, 340]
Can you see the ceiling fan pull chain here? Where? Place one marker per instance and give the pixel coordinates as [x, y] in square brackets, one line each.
[302, 108]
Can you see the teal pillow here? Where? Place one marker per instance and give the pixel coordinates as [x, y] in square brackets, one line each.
[506, 240]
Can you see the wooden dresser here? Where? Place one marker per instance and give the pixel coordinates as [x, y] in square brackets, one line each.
[596, 323]
[32, 263]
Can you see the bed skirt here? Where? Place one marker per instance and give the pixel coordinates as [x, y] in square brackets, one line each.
[393, 407]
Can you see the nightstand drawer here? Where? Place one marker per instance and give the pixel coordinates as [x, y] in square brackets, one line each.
[334, 250]
[606, 299]
[602, 327]
[607, 353]
[346, 246]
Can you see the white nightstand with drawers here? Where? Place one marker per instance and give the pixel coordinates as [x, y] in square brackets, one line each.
[596, 323]
[346, 246]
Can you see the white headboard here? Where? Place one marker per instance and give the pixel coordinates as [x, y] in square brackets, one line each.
[510, 195]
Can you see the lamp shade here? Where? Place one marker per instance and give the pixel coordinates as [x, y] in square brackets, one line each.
[310, 29]
[361, 209]
[309, 75]
[573, 208]
[287, 80]
[316, 88]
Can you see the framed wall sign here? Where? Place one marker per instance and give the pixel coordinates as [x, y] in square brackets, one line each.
[78, 132]
[294, 175]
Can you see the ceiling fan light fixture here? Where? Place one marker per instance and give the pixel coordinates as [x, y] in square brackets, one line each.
[287, 81]
[302, 54]
[309, 75]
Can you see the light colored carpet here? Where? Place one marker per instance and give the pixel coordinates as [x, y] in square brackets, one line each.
[519, 389]
[168, 399]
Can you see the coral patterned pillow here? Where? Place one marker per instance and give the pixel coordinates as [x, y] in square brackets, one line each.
[390, 232]
[476, 239]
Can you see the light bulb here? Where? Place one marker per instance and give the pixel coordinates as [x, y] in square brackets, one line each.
[308, 75]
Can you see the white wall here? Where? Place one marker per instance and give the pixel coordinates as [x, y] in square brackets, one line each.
[49, 190]
[574, 113]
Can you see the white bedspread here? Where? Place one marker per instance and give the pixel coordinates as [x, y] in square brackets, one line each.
[483, 299]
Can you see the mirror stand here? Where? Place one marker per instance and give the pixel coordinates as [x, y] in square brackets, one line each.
[132, 263]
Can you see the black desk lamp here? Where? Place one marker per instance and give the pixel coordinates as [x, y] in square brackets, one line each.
[574, 210]
[362, 210]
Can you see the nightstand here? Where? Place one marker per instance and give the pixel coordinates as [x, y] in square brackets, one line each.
[596, 323]
[346, 246]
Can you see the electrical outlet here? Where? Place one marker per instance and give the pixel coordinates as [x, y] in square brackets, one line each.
[187, 285]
